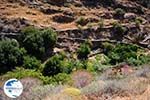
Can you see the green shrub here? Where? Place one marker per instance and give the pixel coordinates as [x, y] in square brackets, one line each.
[67, 65]
[48, 80]
[38, 42]
[50, 38]
[59, 63]
[119, 31]
[103, 59]
[78, 64]
[53, 66]
[119, 13]
[107, 47]
[81, 21]
[127, 53]
[83, 51]
[19, 73]
[138, 21]
[11, 54]
[99, 64]
[142, 59]
[90, 66]
[63, 78]
[101, 23]
[28, 30]
[122, 52]
[90, 25]
[33, 42]
[31, 63]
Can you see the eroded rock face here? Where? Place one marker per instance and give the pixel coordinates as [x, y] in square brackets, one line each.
[12, 25]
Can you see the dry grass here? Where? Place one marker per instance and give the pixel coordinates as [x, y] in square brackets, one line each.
[133, 86]
[81, 78]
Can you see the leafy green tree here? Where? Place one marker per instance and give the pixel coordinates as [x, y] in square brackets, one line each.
[11, 54]
[49, 37]
[38, 42]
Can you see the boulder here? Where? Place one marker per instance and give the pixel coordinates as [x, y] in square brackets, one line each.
[130, 16]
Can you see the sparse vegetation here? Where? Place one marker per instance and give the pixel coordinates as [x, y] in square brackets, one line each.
[118, 31]
[119, 13]
[101, 23]
[81, 78]
[138, 21]
[81, 21]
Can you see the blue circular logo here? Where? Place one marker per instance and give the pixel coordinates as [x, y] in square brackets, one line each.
[13, 88]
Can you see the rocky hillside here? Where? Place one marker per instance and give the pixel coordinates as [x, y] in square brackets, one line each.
[79, 20]
[76, 49]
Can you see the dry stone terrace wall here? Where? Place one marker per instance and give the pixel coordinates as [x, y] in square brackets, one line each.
[71, 38]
